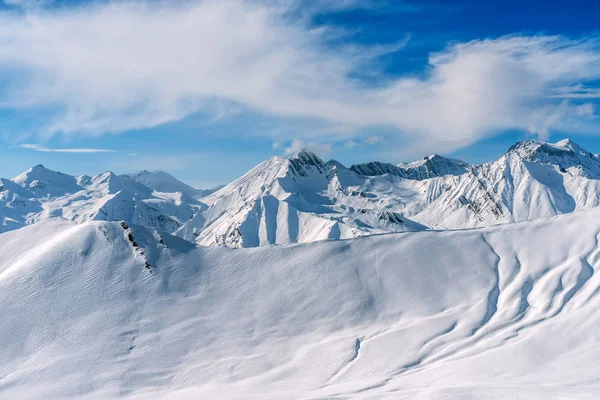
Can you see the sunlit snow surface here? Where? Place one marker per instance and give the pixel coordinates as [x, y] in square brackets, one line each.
[303, 199]
[102, 310]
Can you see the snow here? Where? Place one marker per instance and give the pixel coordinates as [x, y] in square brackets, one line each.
[434, 166]
[44, 182]
[39, 194]
[499, 312]
[428, 167]
[306, 279]
[164, 182]
[304, 199]
[299, 199]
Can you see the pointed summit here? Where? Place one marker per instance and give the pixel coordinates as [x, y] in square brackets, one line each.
[433, 166]
[529, 146]
[306, 156]
[571, 145]
[563, 156]
[163, 182]
[304, 160]
[566, 143]
[44, 182]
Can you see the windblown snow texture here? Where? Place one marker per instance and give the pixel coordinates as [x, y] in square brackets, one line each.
[124, 286]
[109, 310]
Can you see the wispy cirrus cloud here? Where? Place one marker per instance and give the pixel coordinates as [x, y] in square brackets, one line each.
[37, 147]
[576, 92]
[113, 67]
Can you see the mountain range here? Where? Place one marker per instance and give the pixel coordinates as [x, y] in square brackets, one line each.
[129, 286]
[304, 199]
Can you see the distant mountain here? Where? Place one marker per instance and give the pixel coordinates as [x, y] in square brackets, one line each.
[164, 182]
[428, 167]
[304, 199]
[40, 193]
[43, 182]
[532, 180]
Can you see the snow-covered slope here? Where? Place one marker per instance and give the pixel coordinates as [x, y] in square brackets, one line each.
[104, 310]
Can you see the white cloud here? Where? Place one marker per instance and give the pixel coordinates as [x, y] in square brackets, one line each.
[544, 119]
[115, 67]
[371, 140]
[37, 147]
[320, 149]
[368, 141]
[576, 92]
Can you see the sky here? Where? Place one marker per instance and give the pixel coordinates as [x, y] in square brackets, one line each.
[206, 89]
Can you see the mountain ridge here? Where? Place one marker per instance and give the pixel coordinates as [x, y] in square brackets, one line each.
[303, 198]
[531, 180]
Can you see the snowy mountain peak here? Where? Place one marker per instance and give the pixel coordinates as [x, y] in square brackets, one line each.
[531, 147]
[111, 183]
[303, 199]
[574, 147]
[303, 153]
[39, 194]
[162, 182]
[434, 165]
[44, 182]
[36, 170]
[303, 161]
[568, 143]
[564, 155]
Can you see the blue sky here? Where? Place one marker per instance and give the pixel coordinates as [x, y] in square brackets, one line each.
[207, 89]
